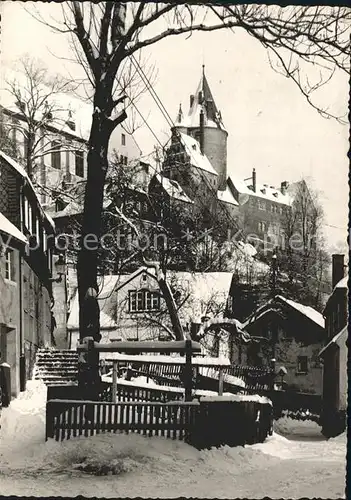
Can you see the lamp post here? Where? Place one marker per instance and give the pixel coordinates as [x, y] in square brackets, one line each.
[273, 293]
[60, 266]
[282, 372]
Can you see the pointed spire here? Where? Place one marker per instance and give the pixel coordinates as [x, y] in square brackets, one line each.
[203, 99]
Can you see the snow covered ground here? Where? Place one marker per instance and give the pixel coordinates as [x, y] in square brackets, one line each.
[112, 465]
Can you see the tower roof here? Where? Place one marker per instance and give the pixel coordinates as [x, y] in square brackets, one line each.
[202, 99]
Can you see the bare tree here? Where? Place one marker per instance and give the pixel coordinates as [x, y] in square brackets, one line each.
[37, 111]
[303, 258]
[109, 33]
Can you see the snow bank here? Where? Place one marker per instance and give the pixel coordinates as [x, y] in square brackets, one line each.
[25, 417]
[292, 427]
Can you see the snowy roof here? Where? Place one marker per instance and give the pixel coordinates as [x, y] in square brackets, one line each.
[203, 290]
[173, 189]
[106, 322]
[342, 283]
[262, 191]
[307, 311]
[197, 159]
[337, 340]
[7, 227]
[227, 196]
[212, 117]
[21, 171]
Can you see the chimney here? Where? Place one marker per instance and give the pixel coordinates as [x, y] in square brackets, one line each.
[192, 97]
[337, 268]
[202, 131]
[254, 180]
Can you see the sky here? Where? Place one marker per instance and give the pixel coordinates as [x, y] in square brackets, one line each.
[271, 127]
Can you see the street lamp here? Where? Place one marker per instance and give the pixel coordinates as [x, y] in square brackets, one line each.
[60, 266]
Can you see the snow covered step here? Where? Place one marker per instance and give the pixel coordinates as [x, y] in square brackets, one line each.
[54, 366]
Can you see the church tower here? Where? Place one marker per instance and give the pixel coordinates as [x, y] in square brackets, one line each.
[204, 123]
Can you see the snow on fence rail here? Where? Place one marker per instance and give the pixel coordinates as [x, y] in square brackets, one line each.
[71, 418]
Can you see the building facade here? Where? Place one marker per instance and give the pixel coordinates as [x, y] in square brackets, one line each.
[291, 334]
[335, 353]
[26, 271]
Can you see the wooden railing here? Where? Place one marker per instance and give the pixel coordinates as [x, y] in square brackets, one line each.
[70, 418]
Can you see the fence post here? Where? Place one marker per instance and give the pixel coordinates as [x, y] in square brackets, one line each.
[220, 382]
[188, 370]
[49, 421]
[114, 382]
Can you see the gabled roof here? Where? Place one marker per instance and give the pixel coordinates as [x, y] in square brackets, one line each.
[201, 287]
[10, 229]
[341, 285]
[227, 196]
[306, 311]
[337, 340]
[212, 117]
[197, 159]
[21, 171]
[262, 191]
[173, 189]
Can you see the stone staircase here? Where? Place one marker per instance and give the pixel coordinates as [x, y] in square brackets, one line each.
[56, 366]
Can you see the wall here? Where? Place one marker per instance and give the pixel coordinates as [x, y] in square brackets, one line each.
[36, 316]
[253, 216]
[130, 149]
[295, 337]
[215, 148]
[133, 326]
[287, 352]
[10, 326]
[343, 377]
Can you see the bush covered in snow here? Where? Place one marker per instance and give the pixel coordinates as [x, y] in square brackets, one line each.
[292, 426]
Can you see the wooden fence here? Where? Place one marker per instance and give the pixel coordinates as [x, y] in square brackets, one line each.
[70, 418]
[256, 380]
[202, 424]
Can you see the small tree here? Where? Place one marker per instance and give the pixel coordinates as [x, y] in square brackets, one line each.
[38, 107]
[303, 258]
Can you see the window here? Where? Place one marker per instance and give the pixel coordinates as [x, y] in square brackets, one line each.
[261, 205]
[55, 155]
[144, 300]
[123, 139]
[79, 155]
[262, 226]
[10, 271]
[25, 212]
[302, 364]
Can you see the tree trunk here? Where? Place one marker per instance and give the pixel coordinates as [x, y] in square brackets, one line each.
[87, 265]
[172, 308]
